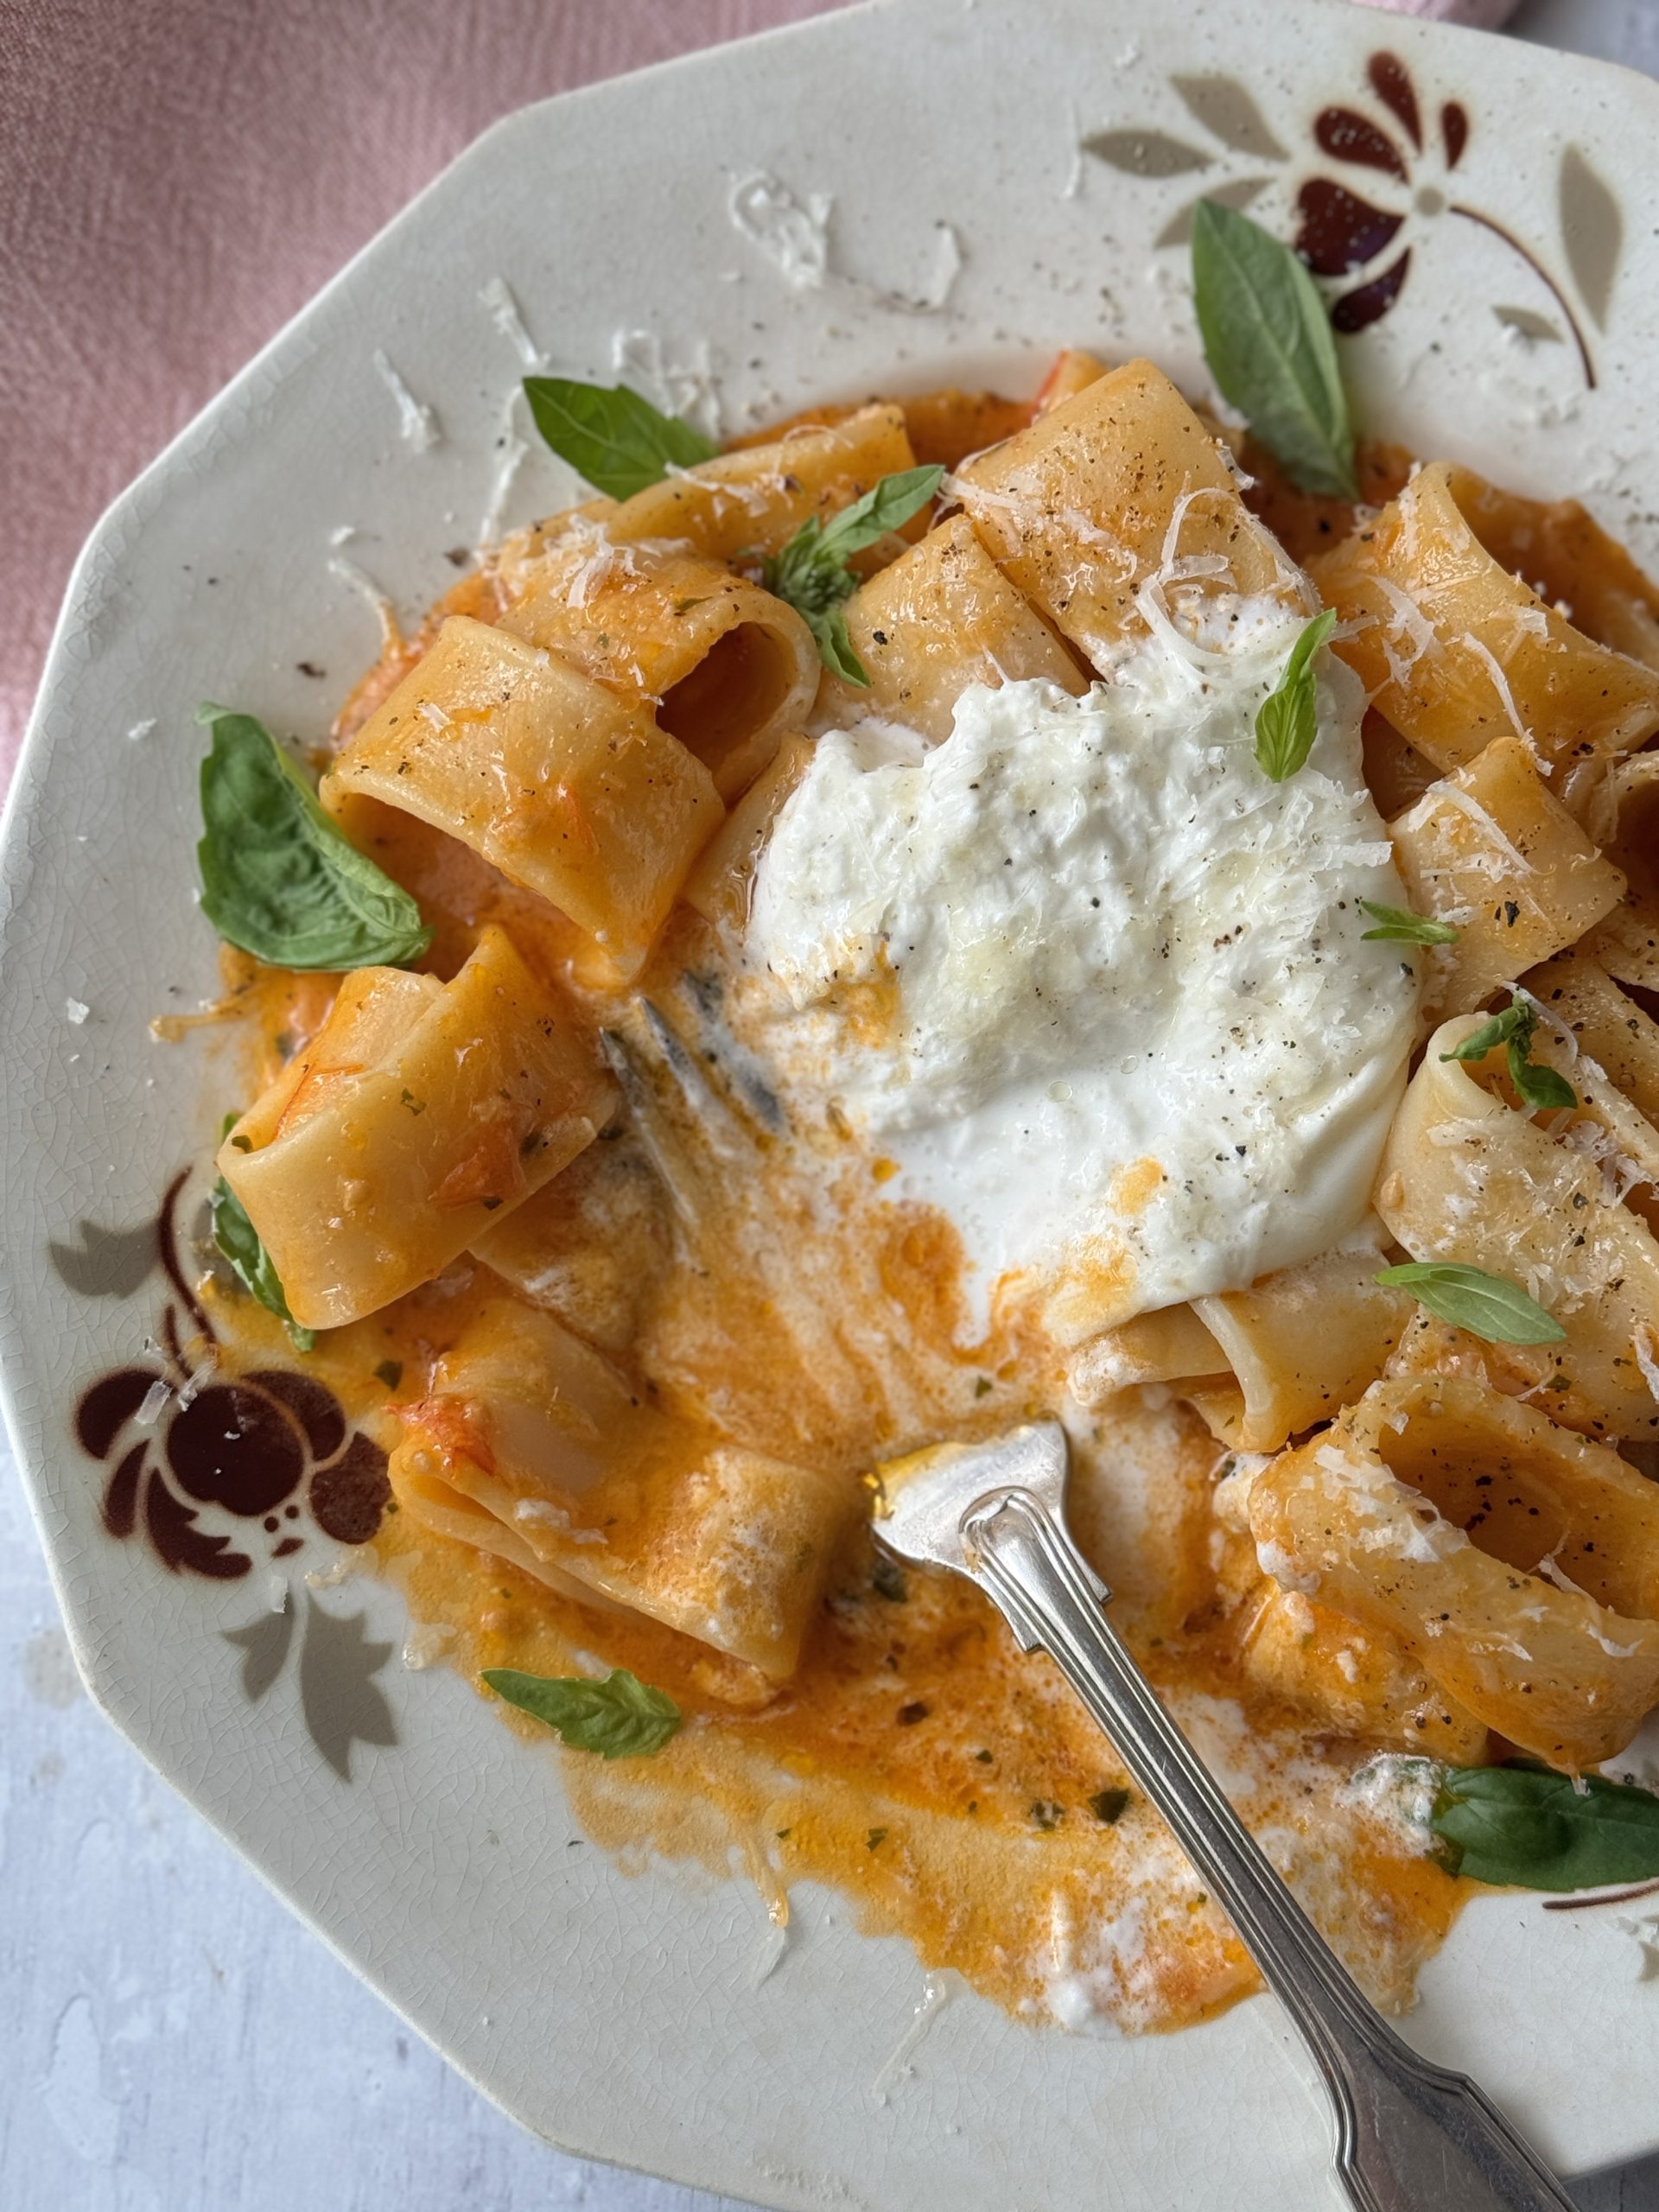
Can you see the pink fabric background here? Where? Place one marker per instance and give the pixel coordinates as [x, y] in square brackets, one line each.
[179, 176]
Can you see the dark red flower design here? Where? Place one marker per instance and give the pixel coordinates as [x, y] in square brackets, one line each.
[238, 1449]
[1341, 233]
[1396, 169]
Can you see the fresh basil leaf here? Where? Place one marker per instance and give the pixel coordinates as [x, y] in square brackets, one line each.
[1515, 1022]
[1490, 1307]
[278, 879]
[1287, 721]
[1404, 927]
[835, 647]
[887, 506]
[800, 575]
[1267, 339]
[620, 1718]
[238, 1240]
[1524, 1826]
[615, 439]
[1540, 1089]
[811, 572]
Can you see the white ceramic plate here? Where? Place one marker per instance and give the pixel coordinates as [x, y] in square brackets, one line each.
[950, 191]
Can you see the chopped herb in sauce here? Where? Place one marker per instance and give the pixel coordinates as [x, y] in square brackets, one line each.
[1109, 1806]
[620, 1718]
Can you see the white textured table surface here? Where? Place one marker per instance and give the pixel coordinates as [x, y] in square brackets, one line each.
[170, 2041]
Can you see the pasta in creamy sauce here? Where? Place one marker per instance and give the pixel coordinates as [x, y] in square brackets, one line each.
[812, 1063]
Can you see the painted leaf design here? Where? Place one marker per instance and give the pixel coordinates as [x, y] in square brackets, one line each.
[107, 1262]
[1239, 194]
[1145, 153]
[342, 1703]
[1227, 110]
[182, 1546]
[264, 1646]
[1592, 232]
[1455, 132]
[1530, 324]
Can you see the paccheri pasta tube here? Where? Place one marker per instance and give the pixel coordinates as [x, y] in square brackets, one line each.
[1118, 488]
[728, 668]
[1457, 650]
[569, 788]
[753, 501]
[1260, 1364]
[419, 1111]
[1468, 1178]
[1518, 1564]
[940, 617]
[1625, 815]
[530, 1445]
[1489, 850]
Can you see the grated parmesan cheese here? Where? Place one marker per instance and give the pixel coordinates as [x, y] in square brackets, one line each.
[417, 425]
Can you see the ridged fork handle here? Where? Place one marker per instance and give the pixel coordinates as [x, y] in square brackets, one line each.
[1410, 2136]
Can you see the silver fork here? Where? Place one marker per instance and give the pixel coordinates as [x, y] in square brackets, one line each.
[1411, 2136]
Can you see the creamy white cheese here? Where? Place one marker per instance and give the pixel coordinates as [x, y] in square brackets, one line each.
[1092, 980]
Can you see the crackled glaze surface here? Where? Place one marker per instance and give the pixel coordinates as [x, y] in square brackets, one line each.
[543, 1973]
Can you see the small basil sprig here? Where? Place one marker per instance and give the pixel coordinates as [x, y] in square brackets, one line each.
[811, 572]
[615, 439]
[1489, 1306]
[1540, 1089]
[1268, 340]
[1401, 926]
[278, 879]
[620, 1718]
[1522, 1825]
[238, 1240]
[1288, 721]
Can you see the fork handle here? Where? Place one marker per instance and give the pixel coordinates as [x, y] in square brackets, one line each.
[1411, 2136]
